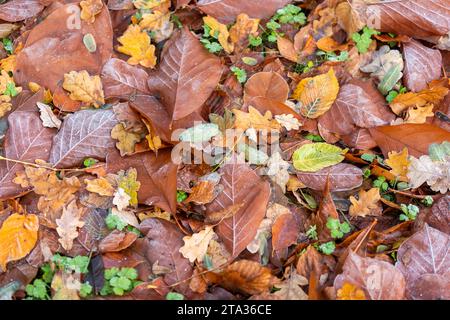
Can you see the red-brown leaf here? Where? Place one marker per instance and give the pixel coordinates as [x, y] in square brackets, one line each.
[18, 10]
[268, 85]
[284, 231]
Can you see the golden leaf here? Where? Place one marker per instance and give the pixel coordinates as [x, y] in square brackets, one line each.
[348, 18]
[161, 5]
[195, 246]
[399, 163]
[154, 141]
[84, 88]
[127, 140]
[89, 9]
[243, 27]
[18, 235]
[68, 224]
[202, 193]
[220, 32]
[367, 204]
[350, 292]
[137, 44]
[419, 114]
[100, 186]
[127, 181]
[254, 119]
[328, 44]
[5, 107]
[158, 23]
[34, 87]
[411, 99]
[287, 49]
[8, 64]
[317, 94]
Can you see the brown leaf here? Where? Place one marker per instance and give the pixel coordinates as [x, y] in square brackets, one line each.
[68, 224]
[226, 11]
[378, 279]
[312, 261]
[202, 193]
[358, 104]
[117, 241]
[163, 242]
[287, 49]
[327, 209]
[269, 85]
[186, 76]
[84, 134]
[242, 185]
[57, 36]
[18, 10]
[285, 231]
[123, 80]
[422, 65]
[26, 140]
[359, 139]
[416, 137]
[242, 29]
[439, 218]
[423, 258]
[343, 176]
[367, 203]
[157, 175]
[247, 277]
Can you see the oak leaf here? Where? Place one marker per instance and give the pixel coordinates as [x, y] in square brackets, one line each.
[159, 23]
[220, 31]
[68, 224]
[49, 119]
[127, 181]
[85, 88]
[317, 94]
[367, 203]
[126, 140]
[419, 114]
[254, 119]
[398, 161]
[411, 99]
[196, 245]
[242, 29]
[100, 186]
[18, 235]
[288, 121]
[290, 288]
[121, 199]
[89, 9]
[136, 43]
[435, 173]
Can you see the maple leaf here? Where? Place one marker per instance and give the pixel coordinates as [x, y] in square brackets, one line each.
[127, 181]
[317, 94]
[100, 186]
[435, 173]
[85, 88]
[277, 170]
[18, 235]
[196, 246]
[254, 119]
[127, 139]
[398, 161]
[89, 9]
[350, 292]
[49, 119]
[288, 121]
[136, 43]
[367, 203]
[68, 224]
[219, 31]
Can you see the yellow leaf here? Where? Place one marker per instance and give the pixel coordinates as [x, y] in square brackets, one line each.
[196, 246]
[8, 64]
[158, 23]
[154, 141]
[254, 119]
[128, 182]
[287, 49]
[419, 114]
[162, 5]
[350, 292]
[243, 27]
[411, 99]
[89, 9]
[317, 94]
[127, 140]
[220, 32]
[136, 43]
[84, 88]
[367, 204]
[6, 82]
[100, 186]
[34, 87]
[18, 236]
[328, 44]
[313, 157]
[5, 107]
[68, 224]
[399, 163]
[66, 286]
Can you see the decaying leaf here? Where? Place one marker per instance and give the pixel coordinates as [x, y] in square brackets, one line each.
[85, 88]
[196, 246]
[68, 224]
[254, 119]
[398, 161]
[367, 203]
[126, 139]
[89, 9]
[435, 173]
[49, 120]
[101, 186]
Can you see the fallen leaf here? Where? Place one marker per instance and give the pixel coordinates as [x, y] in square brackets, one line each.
[7, 28]
[439, 218]
[419, 114]
[435, 173]
[398, 161]
[18, 10]
[117, 241]
[65, 286]
[126, 216]
[18, 235]
[196, 246]
[285, 231]
[68, 224]
[268, 85]
[420, 99]
[328, 44]
[367, 203]
[220, 31]
[159, 23]
[242, 29]
[348, 18]
[277, 170]
[49, 120]
[350, 292]
[202, 193]
[126, 140]
[136, 43]
[378, 279]
[100, 186]
[85, 88]
[287, 49]
[127, 181]
[317, 94]
[290, 289]
[422, 255]
[254, 119]
[186, 76]
[313, 157]
[89, 9]
[288, 121]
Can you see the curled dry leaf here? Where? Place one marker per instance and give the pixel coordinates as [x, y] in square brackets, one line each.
[49, 119]
[117, 241]
[196, 246]
[423, 258]
[18, 235]
[68, 224]
[439, 218]
[367, 203]
[378, 279]
[435, 173]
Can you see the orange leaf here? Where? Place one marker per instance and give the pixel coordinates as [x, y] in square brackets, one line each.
[18, 235]
[350, 292]
[287, 50]
[328, 44]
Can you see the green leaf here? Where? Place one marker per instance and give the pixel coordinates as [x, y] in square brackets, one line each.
[111, 273]
[364, 40]
[200, 133]
[174, 296]
[37, 290]
[313, 157]
[115, 222]
[11, 90]
[390, 79]
[47, 273]
[240, 74]
[439, 152]
[312, 232]
[181, 196]
[255, 41]
[314, 137]
[85, 290]
[8, 45]
[250, 61]
[129, 273]
[327, 248]
[89, 162]
[391, 96]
